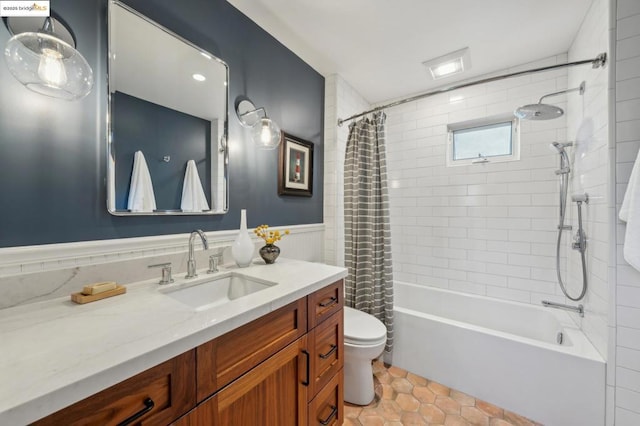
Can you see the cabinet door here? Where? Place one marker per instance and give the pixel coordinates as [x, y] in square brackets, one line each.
[272, 394]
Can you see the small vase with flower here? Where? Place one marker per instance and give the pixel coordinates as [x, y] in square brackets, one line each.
[269, 252]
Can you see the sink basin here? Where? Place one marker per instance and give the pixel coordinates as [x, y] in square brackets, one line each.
[217, 291]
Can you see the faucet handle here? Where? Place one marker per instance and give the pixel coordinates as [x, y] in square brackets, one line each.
[214, 261]
[166, 272]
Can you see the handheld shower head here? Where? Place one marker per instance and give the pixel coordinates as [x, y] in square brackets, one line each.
[559, 147]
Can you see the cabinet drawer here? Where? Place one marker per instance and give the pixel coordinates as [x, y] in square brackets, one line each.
[170, 386]
[325, 302]
[326, 344]
[327, 408]
[227, 357]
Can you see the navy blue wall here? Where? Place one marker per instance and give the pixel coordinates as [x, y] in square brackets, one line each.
[52, 152]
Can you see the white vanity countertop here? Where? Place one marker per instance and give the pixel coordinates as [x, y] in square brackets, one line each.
[55, 353]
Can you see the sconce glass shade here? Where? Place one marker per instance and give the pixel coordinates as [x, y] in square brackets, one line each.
[48, 65]
[266, 134]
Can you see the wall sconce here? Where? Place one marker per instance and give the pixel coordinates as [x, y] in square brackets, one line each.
[264, 131]
[42, 56]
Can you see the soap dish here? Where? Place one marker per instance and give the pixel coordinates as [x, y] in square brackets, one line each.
[86, 298]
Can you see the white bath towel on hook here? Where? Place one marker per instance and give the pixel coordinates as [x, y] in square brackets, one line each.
[630, 213]
[141, 195]
[193, 198]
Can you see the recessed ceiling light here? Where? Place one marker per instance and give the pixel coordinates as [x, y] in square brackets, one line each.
[199, 77]
[449, 64]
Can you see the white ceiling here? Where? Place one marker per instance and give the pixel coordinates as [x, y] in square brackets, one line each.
[378, 46]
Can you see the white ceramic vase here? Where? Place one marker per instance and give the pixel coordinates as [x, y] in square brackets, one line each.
[242, 248]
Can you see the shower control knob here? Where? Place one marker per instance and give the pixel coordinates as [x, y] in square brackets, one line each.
[579, 242]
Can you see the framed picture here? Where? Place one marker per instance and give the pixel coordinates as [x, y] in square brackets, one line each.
[295, 167]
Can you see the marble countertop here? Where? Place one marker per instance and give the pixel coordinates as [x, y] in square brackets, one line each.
[55, 353]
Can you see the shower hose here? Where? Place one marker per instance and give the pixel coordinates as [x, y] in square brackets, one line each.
[563, 208]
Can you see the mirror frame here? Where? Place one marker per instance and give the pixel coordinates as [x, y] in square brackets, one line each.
[220, 146]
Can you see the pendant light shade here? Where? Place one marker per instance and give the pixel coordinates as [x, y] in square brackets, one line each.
[48, 64]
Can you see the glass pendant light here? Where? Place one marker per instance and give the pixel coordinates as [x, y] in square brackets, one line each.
[45, 60]
[264, 131]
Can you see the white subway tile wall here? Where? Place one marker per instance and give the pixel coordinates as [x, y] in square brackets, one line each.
[587, 127]
[625, 324]
[486, 228]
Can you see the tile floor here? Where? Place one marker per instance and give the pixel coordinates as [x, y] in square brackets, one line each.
[404, 399]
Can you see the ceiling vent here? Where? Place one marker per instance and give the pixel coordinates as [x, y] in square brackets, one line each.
[449, 64]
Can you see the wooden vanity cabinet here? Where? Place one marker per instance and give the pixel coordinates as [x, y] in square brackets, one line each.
[297, 384]
[284, 368]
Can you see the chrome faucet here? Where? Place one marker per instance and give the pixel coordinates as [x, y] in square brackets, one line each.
[191, 263]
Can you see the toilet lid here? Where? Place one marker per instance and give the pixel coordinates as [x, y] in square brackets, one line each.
[362, 328]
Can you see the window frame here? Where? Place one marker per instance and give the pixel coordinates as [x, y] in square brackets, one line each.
[483, 122]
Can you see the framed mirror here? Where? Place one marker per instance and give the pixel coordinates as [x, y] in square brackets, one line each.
[167, 151]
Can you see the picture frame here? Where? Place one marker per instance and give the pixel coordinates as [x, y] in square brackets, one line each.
[295, 166]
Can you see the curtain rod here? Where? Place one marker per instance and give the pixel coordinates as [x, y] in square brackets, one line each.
[597, 62]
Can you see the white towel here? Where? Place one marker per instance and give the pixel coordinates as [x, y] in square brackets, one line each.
[193, 198]
[141, 196]
[630, 213]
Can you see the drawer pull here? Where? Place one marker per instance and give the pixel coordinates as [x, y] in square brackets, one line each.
[148, 406]
[306, 381]
[329, 302]
[334, 411]
[328, 354]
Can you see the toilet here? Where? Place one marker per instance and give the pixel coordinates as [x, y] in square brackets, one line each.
[365, 337]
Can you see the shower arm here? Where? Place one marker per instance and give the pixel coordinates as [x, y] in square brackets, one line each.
[597, 62]
[575, 89]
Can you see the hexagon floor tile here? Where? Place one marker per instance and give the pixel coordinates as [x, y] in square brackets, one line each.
[404, 399]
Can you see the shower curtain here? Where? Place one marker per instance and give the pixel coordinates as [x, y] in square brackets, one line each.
[369, 285]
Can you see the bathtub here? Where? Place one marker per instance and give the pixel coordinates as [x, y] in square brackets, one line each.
[503, 352]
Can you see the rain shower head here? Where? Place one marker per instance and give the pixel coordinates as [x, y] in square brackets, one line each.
[542, 111]
[538, 112]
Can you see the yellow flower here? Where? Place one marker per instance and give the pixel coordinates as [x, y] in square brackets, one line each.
[268, 236]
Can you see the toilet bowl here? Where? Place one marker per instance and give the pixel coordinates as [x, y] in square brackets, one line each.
[364, 339]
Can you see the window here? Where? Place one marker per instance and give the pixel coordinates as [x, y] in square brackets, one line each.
[480, 141]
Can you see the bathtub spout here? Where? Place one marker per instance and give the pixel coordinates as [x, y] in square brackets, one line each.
[579, 309]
